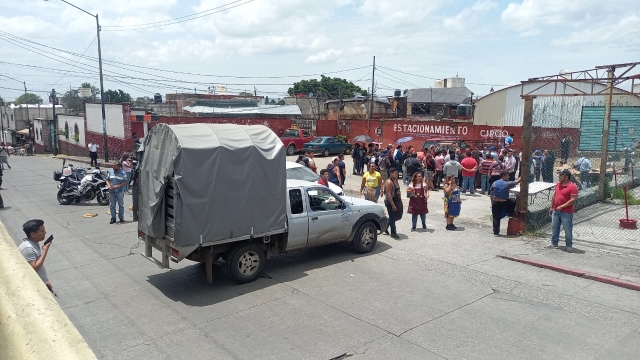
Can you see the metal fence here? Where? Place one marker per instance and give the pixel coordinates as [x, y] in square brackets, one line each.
[566, 135]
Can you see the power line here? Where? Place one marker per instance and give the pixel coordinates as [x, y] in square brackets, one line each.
[432, 78]
[177, 20]
[76, 63]
[28, 90]
[183, 72]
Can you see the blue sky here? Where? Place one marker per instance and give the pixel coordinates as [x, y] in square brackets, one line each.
[487, 42]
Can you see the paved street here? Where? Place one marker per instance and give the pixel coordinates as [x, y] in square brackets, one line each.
[431, 294]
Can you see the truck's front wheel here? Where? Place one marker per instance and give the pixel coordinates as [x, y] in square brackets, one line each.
[291, 150]
[366, 238]
[245, 263]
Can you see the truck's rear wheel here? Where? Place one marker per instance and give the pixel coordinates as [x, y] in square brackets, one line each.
[291, 150]
[366, 238]
[245, 263]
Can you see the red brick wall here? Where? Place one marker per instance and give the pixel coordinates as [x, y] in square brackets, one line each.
[71, 148]
[39, 148]
[117, 146]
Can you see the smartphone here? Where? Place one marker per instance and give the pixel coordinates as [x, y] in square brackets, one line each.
[49, 239]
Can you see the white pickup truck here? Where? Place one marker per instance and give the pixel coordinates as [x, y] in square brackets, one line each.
[244, 229]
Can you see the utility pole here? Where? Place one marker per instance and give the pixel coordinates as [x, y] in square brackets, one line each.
[373, 77]
[605, 130]
[55, 122]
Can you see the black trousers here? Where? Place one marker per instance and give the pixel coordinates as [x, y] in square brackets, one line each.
[496, 211]
[438, 180]
[94, 158]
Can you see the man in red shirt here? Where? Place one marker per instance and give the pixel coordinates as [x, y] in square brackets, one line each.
[324, 177]
[469, 167]
[561, 210]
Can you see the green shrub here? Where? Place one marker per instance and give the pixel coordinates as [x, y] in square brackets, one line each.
[342, 138]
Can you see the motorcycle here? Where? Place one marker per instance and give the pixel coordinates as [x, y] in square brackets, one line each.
[68, 171]
[91, 186]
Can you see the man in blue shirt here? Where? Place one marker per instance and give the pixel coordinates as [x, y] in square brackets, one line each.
[500, 198]
[508, 141]
[116, 182]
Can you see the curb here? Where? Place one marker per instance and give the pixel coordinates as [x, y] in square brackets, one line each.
[77, 160]
[575, 272]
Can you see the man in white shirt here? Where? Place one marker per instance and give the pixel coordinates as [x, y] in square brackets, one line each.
[93, 153]
[510, 165]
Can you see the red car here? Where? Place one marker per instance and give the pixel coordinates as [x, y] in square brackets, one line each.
[294, 140]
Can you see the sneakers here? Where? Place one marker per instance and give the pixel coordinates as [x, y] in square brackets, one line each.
[413, 229]
[450, 227]
[569, 249]
[395, 236]
[113, 221]
[386, 231]
[552, 246]
[121, 221]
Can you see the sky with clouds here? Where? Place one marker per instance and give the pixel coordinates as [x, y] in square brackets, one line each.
[266, 44]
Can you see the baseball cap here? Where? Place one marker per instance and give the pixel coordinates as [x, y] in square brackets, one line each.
[565, 172]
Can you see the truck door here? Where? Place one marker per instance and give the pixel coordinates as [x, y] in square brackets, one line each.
[298, 220]
[329, 221]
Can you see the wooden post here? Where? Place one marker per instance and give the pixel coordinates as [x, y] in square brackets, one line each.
[525, 163]
[605, 134]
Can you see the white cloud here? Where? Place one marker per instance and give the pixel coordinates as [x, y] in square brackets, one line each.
[330, 55]
[399, 13]
[469, 16]
[606, 33]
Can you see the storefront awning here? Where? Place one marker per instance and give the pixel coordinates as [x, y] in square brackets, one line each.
[23, 131]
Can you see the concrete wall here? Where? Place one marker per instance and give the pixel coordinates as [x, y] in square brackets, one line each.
[33, 325]
[72, 121]
[278, 125]
[114, 116]
[356, 110]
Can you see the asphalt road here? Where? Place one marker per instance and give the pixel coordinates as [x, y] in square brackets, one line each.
[435, 294]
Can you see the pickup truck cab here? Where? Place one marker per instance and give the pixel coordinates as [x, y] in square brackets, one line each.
[294, 140]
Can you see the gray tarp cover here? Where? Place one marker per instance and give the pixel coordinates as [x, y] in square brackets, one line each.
[230, 178]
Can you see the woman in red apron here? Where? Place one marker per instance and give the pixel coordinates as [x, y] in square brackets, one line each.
[418, 196]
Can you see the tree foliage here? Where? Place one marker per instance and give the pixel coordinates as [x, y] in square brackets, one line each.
[28, 98]
[2, 103]
[142, 101]
[117, 96]
[327, 87]
[72, 101]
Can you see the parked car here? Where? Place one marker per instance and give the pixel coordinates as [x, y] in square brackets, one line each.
[296, 171]
[294, 140]
[327, 145]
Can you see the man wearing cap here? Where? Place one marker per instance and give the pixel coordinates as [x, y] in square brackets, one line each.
[500, 198]
[561, 210]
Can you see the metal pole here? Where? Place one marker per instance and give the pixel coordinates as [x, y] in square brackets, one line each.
[605, 133]
[373, 76]
[104, 113]
[55, 123]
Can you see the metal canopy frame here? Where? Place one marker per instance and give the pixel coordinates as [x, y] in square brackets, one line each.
[598, 75]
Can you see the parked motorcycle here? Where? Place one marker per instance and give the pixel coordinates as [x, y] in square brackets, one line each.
[70, 172]
[91, 186]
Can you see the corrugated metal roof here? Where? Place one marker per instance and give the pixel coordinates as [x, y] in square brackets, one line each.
[260, 109]
[457, 95]
[361, 98]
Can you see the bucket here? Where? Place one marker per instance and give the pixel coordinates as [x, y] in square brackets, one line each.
[628, 224]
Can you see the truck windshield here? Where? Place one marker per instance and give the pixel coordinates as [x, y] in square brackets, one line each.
[302, 173]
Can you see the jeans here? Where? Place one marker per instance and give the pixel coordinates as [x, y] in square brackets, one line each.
[392, 220]
[414, 220]
[496, 211]
[438, 180]
[584, 178]
[356, 167]
[94, 158]
[566, 219]
[512, 176]
[126, 187]
[486, 184]
[469, 182]
[116, 196]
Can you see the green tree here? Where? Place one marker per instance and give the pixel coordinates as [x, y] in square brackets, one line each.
[72, 101]
[2, 101]
[28, 98]
[117, 96]
[142, 101]
[281, 102]
[327, 87]
[244, 93]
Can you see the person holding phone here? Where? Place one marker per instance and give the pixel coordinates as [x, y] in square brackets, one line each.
[31, 250]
